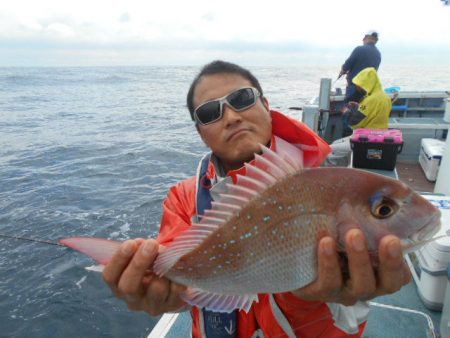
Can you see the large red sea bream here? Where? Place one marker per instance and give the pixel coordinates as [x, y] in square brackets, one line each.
[261, 235]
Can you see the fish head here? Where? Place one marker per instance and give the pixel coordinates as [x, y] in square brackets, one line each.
[383, 206]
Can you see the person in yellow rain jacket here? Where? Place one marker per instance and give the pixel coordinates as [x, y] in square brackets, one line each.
[372, 112]
[374, 109]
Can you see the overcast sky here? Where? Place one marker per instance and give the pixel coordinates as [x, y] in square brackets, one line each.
[192, 32]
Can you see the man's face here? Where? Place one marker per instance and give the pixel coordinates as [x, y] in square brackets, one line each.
[236, 136]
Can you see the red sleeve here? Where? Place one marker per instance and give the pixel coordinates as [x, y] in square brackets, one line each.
[295, 132]
[178, 209]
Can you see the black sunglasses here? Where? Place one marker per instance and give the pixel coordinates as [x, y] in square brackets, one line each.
[239, 100]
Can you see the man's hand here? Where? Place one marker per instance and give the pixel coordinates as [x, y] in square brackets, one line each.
[353, 105]
[364, 282]
[342, 72]
[129, 276]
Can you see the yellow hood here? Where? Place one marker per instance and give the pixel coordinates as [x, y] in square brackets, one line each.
[368, 80]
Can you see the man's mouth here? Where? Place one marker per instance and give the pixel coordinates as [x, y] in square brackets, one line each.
[237, 133]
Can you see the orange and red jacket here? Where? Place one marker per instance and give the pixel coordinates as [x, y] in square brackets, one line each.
[275, 315]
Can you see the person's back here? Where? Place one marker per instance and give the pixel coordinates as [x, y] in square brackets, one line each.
[364, 56]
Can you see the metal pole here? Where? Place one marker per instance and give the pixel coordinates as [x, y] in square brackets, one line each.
[324, 103]
[443, 178]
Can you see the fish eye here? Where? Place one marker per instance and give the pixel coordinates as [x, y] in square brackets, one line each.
[384, 208]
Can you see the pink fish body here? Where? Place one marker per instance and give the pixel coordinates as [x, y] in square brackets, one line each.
[261, 235]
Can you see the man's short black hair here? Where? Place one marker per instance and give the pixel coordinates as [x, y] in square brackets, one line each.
[220, 67]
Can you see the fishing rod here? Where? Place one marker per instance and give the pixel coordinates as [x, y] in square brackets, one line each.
[31, 240]
[330, 111]
[339, 76]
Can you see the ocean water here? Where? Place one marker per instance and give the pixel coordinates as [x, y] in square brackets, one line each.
[92, 152]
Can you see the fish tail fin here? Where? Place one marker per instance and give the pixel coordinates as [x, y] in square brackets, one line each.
[101, 250]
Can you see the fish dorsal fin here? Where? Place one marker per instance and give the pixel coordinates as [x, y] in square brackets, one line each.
[182, 244]
[270, 166]
[221, 211]
[259, 174]
[282, 163]
[218, 302]
[292, 154]
[251, 183]
[264, 163]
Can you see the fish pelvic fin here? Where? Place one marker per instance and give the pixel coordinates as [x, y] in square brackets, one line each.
[218, 302]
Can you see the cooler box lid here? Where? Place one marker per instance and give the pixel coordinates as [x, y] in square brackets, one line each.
[433, 148]
[393, 136]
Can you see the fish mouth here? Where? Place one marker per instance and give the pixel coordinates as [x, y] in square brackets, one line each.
[429, 229]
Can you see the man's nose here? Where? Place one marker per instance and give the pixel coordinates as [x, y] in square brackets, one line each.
[230, 115]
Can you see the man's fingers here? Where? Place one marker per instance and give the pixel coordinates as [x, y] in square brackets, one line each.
[392, 271]
[329, 278]
[174, 301]
[113, 271]
[362, 283]
[131, 280]
[157, 293]
[330, 275]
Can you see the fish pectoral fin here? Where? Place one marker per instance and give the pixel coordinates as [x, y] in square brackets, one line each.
[218, 302]
[408, 247]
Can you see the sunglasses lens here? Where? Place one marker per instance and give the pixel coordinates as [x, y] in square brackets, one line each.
[208, 112]
[242, 99]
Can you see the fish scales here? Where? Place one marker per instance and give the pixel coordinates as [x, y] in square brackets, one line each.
[270, 245]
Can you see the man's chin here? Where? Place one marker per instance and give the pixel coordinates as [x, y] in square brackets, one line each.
[246, 153]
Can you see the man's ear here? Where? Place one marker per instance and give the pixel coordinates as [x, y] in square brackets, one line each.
[265, 103]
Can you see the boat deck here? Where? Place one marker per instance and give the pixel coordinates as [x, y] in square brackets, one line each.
[412, 174]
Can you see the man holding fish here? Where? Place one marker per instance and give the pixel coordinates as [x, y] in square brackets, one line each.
[233, 118]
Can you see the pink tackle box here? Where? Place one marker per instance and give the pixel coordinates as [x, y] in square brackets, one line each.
[376, 148]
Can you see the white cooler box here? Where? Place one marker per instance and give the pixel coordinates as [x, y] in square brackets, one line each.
[429, 264]
[431, 151]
